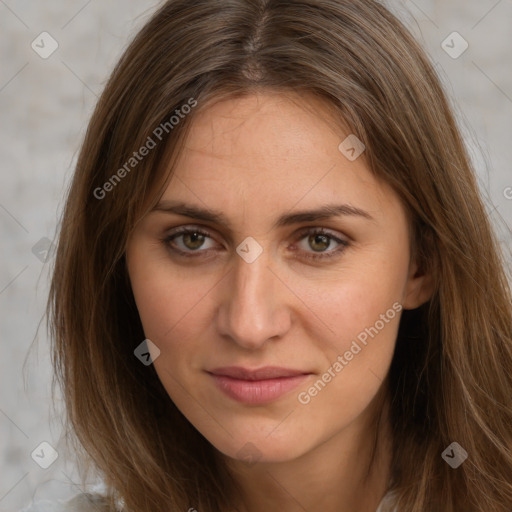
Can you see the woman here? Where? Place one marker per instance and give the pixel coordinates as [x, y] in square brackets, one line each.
[276, 287]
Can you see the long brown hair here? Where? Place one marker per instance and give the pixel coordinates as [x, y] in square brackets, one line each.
[451, 376]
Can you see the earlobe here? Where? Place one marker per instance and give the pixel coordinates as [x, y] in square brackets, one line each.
[419, 288]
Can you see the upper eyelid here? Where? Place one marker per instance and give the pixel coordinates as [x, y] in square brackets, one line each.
[208, 231]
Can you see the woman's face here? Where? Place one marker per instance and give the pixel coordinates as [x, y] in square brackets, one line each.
[264, 283]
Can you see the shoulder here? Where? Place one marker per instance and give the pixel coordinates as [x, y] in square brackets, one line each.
[84, 502]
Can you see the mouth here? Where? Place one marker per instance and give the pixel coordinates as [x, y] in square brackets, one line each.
[257, 387]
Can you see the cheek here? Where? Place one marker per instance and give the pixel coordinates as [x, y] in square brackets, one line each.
[173, 317]
[169, 304]
[360, 306]
[360, 350]
[362, 295]
[362, 309]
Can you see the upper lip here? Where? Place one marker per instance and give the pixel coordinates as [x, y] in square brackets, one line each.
[267, 372]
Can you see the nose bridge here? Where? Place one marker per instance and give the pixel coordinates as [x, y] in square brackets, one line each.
[253, 310]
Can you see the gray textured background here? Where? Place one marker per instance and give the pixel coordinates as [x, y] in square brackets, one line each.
[45, 105]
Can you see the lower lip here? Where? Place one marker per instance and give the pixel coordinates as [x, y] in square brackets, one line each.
[256, 392]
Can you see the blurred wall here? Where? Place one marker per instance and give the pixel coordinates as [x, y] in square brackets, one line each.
[45, 104]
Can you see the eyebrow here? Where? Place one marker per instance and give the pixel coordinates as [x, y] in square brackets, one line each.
[322, 213]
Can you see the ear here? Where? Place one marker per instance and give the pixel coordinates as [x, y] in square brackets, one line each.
[419, 287]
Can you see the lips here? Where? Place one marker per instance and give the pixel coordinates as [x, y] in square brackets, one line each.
[268, 372]
[259, 386]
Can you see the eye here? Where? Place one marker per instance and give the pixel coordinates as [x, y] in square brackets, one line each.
[187, 241]
[319, 240]
[192, 239]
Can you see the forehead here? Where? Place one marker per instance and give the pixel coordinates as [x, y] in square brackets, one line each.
[285, 139]
[264, 124]
[270, 152]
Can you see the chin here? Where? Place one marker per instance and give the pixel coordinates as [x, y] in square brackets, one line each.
[259, 447]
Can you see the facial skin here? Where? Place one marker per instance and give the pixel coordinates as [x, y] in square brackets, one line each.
[255, 159]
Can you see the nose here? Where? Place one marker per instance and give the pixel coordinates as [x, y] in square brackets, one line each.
[254, 306]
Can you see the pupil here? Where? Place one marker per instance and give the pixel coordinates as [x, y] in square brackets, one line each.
[323, 239]
[194, 237]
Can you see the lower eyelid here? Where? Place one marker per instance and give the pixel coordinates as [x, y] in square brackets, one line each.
[333, 253]
[331, 238]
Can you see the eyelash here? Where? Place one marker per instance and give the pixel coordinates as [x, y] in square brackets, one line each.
[167, 241]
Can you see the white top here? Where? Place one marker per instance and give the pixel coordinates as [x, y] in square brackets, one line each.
[387, 503]
[92, 503]
[79, 503]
